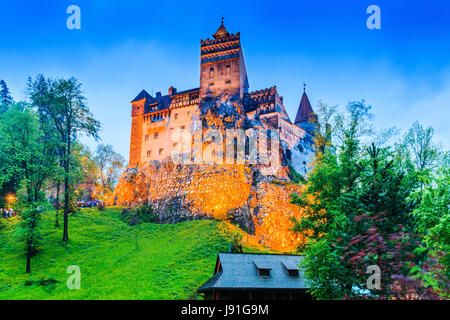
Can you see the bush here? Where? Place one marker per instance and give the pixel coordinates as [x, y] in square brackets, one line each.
[236, 242]
[138, 215]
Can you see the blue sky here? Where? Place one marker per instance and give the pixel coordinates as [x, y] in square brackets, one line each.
[402, 70]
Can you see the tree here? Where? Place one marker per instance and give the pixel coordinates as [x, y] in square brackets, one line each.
[330, 203]
[384, 234]
[28, 232]
[5, 97]
[329, 121]
[418, 147]
[110, 165]
[433, 222]
[29, 158]
[65, 103]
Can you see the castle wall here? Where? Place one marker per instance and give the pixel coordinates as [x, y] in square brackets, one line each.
[159, 135]
[290, 133]
[155, 137]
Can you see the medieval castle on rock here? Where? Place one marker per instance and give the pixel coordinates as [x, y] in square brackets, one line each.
[222, 101]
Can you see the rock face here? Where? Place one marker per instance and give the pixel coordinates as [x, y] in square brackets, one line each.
[236, 193]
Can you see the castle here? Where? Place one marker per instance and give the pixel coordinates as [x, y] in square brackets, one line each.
[223, 94]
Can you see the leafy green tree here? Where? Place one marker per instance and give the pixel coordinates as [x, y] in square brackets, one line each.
[110, 165]
[29, 158]
[433, 222]
[63, 100]
[28, 232]
[331, 201]
[359, 205]
[385, 231]
[419, 151]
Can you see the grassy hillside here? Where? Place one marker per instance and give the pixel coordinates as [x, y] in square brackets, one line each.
[148, 261]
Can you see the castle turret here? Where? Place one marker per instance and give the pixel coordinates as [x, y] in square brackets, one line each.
[222, 68]
[306, 118]
[138, 106]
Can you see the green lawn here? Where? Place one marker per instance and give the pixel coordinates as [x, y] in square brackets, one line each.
[148, 261]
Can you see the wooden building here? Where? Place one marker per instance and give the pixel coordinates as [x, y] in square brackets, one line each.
[248, 276]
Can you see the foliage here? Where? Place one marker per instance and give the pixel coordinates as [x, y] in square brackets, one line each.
[5, 97]
[64, 102]
[26, 155]
[358, 206]
[28, 232]
[295, 176]
[236, 241]
[433, 221]
[138, 215]
[110, 165]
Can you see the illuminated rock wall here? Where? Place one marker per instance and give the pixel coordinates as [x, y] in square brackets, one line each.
[234, 193]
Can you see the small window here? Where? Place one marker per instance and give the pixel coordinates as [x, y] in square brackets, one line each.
[146, 137]
[227, 81]
[176, 116]
[293, 273]
[228, 69]
[183, 127]
[161, 151]
[155, 136]
[149, 153]
[211, 73]
[211, 84]
[264, 272]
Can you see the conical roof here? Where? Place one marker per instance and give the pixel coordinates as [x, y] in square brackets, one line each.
[221, 32]
[304, 110]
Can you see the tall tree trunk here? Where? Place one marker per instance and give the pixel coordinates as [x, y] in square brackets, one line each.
[28, 270]
[58, 186]
[66, 208]
[66, 190]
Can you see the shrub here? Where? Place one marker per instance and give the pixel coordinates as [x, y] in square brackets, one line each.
[138, 215]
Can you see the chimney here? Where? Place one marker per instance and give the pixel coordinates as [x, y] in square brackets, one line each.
[172, 90]
[158, 94]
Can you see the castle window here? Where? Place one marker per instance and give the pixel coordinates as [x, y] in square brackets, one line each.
[149, 153]
[183, 127]
[161, 151]
[176, 116]
[228, 69]
[146, 137]
[211, 84]
[155, 136]
[211, 73]
[227, 81]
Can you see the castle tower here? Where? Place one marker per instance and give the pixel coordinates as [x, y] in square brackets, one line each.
[222, 67]
[306, 118]
[137, 110]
